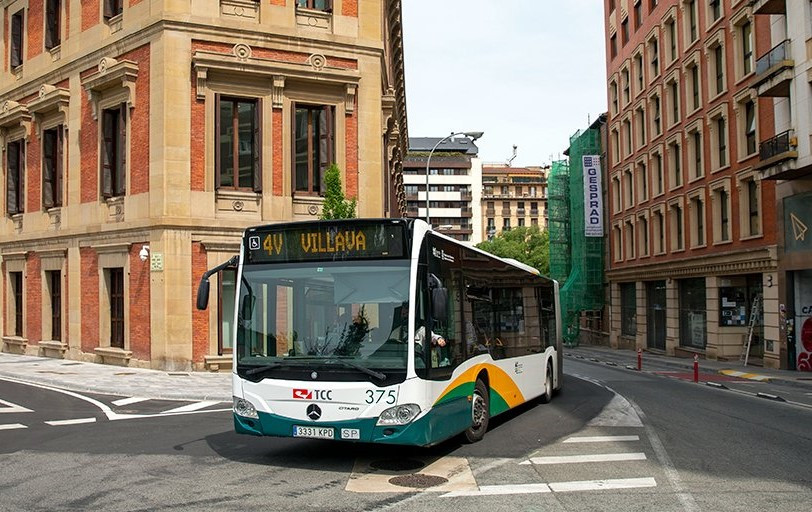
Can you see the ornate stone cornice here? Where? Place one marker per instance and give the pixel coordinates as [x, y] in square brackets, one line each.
[14, 115]
[764, 259]
[50, 99]
[111, 74]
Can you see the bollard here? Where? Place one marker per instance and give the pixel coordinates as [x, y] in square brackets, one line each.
[639, 359]
[696, 368]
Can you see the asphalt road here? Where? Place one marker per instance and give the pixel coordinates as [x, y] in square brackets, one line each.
[661, 444]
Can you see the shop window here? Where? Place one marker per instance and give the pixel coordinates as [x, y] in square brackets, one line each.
[693, 311]
[736, 299]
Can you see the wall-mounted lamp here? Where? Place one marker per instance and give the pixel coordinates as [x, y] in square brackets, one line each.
[144, 253]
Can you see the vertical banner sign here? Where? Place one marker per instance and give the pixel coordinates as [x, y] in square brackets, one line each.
[593, 196]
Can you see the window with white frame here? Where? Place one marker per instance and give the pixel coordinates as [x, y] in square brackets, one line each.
[720, 194]
[672, 93]
[640, 125]
[658, 220]
[656, 115]
[696, 168]
[714, 10]
[677, 227]
[627, 137]
[746, 124]
[628, 187]
[693, 85]
[697, 205]
[642, 181]
[658, 185]
[613, 96]
[628, 232]
[617, 236]
[750, 205]
[625, 82]
[691, 21]
[719, 137]
[615, 138]
[639, 73]
[617, 206]
[671, 38]
[675, 164]
[654, 55]
[643, 238]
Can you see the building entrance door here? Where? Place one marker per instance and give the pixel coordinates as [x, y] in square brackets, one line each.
[655, 314]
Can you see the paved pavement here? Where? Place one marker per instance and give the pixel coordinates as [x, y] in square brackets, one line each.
[116, 380]
[626, 357]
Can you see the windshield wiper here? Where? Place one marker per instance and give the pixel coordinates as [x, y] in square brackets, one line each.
[266, 367]
[360, 368]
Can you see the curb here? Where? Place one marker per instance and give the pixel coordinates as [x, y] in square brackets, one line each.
[744, 375]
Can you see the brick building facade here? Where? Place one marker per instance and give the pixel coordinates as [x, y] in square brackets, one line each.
[139, 139]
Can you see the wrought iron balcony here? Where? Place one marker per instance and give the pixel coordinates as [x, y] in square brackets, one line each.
[777, 149]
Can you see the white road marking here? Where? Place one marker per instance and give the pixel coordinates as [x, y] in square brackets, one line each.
[12, 426]
[189, 407]
[577, 459]
[577, 486]
[10, 407]
[601, 439]
[128, 401]
[77, 421]
[598, 485]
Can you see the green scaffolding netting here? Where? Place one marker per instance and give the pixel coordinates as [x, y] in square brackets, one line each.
[576, 260]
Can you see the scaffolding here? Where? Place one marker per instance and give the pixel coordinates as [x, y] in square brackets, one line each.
[575, 259]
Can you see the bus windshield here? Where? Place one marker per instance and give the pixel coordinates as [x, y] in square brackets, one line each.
[346, 316]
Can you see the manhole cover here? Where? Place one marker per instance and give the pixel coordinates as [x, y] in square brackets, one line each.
[418, 481]
[397, 464]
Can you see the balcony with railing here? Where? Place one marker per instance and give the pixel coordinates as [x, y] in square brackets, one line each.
[777, 155]
[520, 212]
[774, 71]
[490, 212]
[534, 211]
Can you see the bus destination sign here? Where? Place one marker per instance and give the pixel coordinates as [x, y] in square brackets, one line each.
[319, 242]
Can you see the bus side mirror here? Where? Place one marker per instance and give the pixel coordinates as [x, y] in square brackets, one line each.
[439, 300]
[203, 293]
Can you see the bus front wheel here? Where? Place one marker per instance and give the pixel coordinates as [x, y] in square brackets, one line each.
[480, 413]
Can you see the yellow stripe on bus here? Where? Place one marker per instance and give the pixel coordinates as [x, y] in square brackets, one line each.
[499, 380]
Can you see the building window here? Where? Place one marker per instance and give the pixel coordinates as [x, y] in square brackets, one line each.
[16, 279]
[642, 224]
[695, 150]
[52, 24]
[721, 137]
[693, 30]
[654, 48]
[624, 31]
[640, 122]
[52, 144]
[613, 45]
[315, 147]
[752, 206]
[628, 309]
[719, 68]
[114, 151]
[715, 9]
[616, 204]
[750, 127]
[15, 174]
[698, 213]
[618, 238]
[318, 5]
[627, 137]
[17, 39]
[642, 181]
[113, 8]
[673, 91]
[693, 83]
[671, 35]
[116, 291]
[54, 282]
[655, 105]
[534, 221]
[521, 222]
[676, 167]
[629, 232]
[638, 67]
[615, 146]
[624, 75]
[677, 235]
[638, 14]
[628, 188]
[505, 224]
[746, 32]
[659, 229]
[238, 144]
[658, 174]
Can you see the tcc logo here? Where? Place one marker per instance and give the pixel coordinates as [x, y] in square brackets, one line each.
[313, 394]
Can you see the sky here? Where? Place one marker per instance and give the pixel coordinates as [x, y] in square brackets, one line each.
[525, 72]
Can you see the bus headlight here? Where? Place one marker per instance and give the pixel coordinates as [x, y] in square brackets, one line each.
[244, 408]
[398, 415]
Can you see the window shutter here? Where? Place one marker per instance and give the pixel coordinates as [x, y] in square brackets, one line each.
[257, 146]
[121, 151]
[21, 177]
[108, 9]
[52, 24]
[328, 5]
[60, 142]
[12, 180]
[293, 156]
[17, 39]
[217, 134]
[108, 153]
[325, 145]
[48, 168]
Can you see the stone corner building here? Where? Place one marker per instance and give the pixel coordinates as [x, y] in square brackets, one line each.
[140, 138]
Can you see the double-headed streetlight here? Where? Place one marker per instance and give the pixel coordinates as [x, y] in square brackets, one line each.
[471, 135]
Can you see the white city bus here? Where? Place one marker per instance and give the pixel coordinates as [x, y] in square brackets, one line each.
[331, 339]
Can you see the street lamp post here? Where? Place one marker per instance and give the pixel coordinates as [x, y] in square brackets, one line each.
[471, 135]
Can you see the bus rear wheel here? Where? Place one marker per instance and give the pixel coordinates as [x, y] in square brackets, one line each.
[480, 412]
[548, 387]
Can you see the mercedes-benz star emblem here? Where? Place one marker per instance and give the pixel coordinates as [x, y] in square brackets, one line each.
[313, 412]
[314, 375]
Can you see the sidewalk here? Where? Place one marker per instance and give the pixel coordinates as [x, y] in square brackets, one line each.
[625, 357]
[116, 380]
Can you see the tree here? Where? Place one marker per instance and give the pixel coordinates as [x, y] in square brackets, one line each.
[530, 245]
[336, 206]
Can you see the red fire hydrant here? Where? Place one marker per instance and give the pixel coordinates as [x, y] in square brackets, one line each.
[639, 359]
[696, 368]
